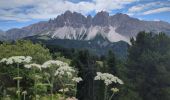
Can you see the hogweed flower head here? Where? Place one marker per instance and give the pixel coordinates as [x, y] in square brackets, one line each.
[27, 59]
[64, 70]
[16, 59]
[3, 60]
[49, 63]
[33, 66]
[108, 78]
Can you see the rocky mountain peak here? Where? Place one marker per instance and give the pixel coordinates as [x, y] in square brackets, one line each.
[120, 17]
[68, 13]
[74, 25]
[103, 13]
[69, 18]
[101, 19]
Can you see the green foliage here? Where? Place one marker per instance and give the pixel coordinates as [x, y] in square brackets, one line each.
[20, 48]
[111, 63]
[25, 48]
[148, 66]
[86, 65]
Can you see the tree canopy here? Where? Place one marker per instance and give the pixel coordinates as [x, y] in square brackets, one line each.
[25, 48]
[149, 66]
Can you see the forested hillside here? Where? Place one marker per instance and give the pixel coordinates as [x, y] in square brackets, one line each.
[145, 73]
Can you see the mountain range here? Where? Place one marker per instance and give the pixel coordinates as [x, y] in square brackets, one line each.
[75, 26]
[98, 34]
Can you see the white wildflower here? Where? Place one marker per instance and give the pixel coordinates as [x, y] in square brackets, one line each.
[119, 81]
[16, 59]
[77, 79]
[33, 66]
[53, 62]
[28, 59]
[9, 61]
[64, 90]
[108, 78]
[63, 70]
[3, 60]
[114, 90]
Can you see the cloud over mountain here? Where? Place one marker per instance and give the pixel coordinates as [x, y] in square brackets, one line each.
[23, 10]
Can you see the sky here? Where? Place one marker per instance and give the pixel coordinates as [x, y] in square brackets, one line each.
[20, 13]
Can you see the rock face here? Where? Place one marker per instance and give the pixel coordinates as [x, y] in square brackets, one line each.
[75, 26]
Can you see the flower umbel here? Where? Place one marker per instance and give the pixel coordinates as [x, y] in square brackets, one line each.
[114, 90]
[16, 59]
[53, 62]
[33, 66]
[108, 78]
[64, 70]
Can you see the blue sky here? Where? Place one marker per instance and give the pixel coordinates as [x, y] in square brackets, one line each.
[20, 13]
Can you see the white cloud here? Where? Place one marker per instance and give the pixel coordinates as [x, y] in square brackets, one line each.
[142, 7]
[149, 8]
[164, 9]
[43, 9]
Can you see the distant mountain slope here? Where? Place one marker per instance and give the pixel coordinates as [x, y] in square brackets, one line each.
[76, 26]
[98, 45]
[2, 35]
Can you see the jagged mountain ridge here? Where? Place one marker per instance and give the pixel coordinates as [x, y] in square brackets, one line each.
[75, 26]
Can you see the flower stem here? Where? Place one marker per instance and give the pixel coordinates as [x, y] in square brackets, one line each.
[75, 90]
[111, 96]
[63, 86]
[51, 92]
[35, 87]
[52, 82]
[105, 93]
[24, 96]
[18, 83]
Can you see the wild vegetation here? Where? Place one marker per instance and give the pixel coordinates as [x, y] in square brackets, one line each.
[31, 71]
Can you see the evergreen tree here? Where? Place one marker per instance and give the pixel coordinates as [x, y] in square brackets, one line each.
[148, 65]
[111, 63]
[86, 64]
